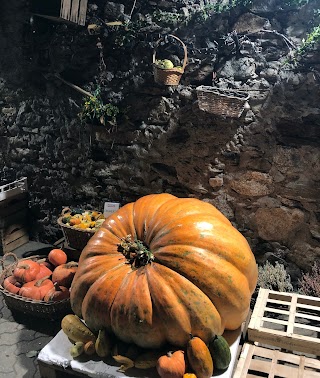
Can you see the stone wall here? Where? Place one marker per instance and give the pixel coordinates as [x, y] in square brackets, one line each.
[261, 170]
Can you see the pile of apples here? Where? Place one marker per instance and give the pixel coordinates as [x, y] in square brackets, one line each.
[48, 279]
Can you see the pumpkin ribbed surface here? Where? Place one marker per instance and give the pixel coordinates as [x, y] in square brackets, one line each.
[184, 270]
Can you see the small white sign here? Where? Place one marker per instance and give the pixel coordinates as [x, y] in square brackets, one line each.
[110, 208]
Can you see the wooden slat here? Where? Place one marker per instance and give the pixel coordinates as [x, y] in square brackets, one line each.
[276, 311]
[258, 311]
[244, 360]
[82, 12]
[306, 326]
[18, 233]
[292, 314]
[15, 244]
[278, 302]
[275, 321]
[74, 15]
[65, 9]
[305, 299]
[307, 316]
[314, 306]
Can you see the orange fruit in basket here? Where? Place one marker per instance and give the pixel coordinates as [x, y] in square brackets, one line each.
[57, 257]
[74, 221]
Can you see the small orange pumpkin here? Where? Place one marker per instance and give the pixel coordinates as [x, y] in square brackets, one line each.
[57, 257]
[26, 270]
[63, 274]
[36, 289]
[171, 365]
[12, 284]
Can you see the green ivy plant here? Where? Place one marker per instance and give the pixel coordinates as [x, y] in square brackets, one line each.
[95, 111]
[310, 41]
[307, 45]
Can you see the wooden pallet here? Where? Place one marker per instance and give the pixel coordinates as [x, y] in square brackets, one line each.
[255, 361]
[286, 320]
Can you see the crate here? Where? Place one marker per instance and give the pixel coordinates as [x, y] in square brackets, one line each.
[255, 361]
[12, 237]
[13, 210]
[13, 215]
[73, 11]
[286, 320]
[13, 189]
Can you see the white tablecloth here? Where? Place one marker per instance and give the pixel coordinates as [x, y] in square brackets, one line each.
[56, 352]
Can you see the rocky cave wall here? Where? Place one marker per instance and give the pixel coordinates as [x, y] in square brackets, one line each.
[262, 170]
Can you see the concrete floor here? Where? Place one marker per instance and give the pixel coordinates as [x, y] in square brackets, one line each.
[23, 336]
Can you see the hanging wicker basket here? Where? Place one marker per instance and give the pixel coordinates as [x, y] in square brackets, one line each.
[170, 76]
[221, 102]
[40, 309]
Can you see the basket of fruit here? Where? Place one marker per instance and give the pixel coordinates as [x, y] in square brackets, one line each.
[79, 226]
[164, 71]
[38, 285]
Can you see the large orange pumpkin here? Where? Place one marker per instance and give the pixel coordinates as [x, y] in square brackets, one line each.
[162, 268]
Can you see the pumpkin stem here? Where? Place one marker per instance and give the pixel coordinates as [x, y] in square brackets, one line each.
[41, 280]
[24, 266]
[135, 251]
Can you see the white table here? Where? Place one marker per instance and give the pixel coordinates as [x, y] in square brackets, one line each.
[56, 355]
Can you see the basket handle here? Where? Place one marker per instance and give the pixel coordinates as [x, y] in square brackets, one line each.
[10, 266]
[65, 211]
[185, 59]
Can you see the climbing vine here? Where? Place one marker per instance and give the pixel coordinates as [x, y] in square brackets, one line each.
[308, 44]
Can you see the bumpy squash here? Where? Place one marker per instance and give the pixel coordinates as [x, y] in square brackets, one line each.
[161, 268]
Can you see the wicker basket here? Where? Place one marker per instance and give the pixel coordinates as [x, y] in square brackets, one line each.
[170, 76]
[75, 237]
[40, 309]
[222, 102]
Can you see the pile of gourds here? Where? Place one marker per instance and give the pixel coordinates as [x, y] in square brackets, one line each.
[47, 279]
[197, 358]
[89, 220]
[161, 269]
